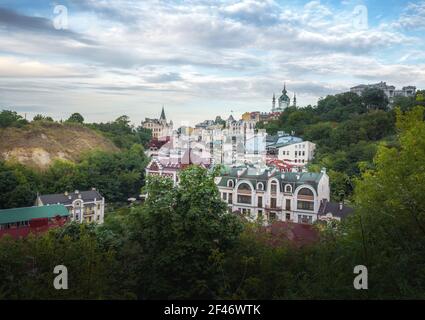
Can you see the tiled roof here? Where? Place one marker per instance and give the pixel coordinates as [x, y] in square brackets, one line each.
[295, 179]
[61, 198]
[335, 209]
[27, 214]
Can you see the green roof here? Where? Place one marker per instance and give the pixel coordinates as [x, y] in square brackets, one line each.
[27, 214]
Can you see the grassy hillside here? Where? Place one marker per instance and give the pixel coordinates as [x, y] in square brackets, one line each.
[39, 143]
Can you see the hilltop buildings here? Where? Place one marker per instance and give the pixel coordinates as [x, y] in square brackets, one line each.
[389, 90]
[84, 206]
[160, 127]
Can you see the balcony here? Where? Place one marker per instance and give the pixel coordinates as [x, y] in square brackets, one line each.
[273, 208]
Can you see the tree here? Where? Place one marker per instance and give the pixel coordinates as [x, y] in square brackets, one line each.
[11, 118]
[374, 98]
[179, 229]
[40, 117]
[390, 217]
[76, 118]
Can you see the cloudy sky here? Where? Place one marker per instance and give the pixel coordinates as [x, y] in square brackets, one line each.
[199, 58]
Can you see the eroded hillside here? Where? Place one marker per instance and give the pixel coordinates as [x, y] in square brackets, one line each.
[38, 144]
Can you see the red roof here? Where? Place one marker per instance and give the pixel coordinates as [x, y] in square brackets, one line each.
[296, 233]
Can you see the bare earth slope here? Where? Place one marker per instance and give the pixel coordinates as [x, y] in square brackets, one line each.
[38, 144]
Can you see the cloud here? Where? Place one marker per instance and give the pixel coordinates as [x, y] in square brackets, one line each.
[11, 67]
[197, 56]
[413, 17]
[11, 21]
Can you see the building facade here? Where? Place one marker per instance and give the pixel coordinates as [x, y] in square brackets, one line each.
[160, 127]
[389, 90]
[84, 206]
[20, 222]
[272, 195]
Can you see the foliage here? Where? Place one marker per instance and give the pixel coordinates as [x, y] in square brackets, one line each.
[76, 118]
[122, 133]
[11, 119]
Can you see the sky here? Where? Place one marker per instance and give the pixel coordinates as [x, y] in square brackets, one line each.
[199, 58]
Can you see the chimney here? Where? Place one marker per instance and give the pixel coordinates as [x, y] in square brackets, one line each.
[79, 196]
[77, 192]
[341, 205]
[93, 189]
[66, 193]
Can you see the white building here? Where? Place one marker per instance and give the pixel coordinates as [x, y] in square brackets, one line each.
[300, 153]
[290, 149]
[272, 195]
[84, 206]
[389, 90]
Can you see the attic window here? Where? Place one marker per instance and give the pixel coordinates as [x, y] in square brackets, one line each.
[260, 186]
[230, 184]
[288, 188]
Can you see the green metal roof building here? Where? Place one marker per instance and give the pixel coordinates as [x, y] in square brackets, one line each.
[27, 214]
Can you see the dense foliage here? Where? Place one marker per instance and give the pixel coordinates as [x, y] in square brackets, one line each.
[117, 176]
[347, 129]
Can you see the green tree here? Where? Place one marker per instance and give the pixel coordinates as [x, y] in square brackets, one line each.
[179, 229]
[76, 118]
[375, 99]
[390, 217]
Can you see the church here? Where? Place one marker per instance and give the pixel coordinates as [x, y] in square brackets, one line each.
[283, 102]
[160, 127]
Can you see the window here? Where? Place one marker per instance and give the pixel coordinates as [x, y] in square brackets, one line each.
[274, 187]
[260, 186]
[288, 188]
[305, 205]
[288, 204]
[288, 217]
[305, 219]
[272, 216]
[244, 199]
[230, 184]
[306, 192]
[260, 202]
[273, 203]
[224, 196]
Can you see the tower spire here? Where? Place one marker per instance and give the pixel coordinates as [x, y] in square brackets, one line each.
[274, 103]
[163, 114]
[295, 99]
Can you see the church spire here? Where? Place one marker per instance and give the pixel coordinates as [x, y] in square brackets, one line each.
[295, 100]
[274, 103]
[163, 114]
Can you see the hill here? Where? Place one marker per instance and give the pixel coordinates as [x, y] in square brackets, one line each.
[39, 143]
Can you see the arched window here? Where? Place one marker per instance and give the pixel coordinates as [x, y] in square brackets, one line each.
[274, 187]
[306, 192]
[230, 184]
[288, 188]
[260, 186]
[244, 193]
[244, 187]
